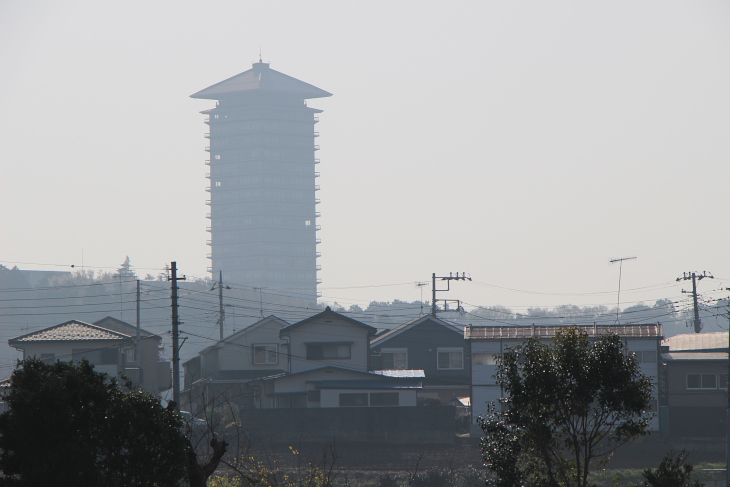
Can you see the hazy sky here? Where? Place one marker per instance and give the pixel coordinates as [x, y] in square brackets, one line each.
[525, 143]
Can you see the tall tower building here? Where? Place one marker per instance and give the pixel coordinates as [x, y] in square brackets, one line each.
[263, 214]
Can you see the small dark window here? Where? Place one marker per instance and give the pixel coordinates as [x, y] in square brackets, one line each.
[383, 398]
[649, 357]
[353, 399]
[328, 351]
[709, 381]
[313, 396]
[693, 381]
[109, 356]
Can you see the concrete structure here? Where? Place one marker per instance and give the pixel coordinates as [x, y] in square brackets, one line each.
[433, 345]
[263, 218]
[694, 385]
[109, 345]
[487, 342]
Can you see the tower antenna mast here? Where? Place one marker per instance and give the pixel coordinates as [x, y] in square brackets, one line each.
[620, 268]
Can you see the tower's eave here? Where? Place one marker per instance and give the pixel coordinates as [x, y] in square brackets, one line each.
[260, 78]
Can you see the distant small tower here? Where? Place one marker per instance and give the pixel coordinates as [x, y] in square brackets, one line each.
[262, 181]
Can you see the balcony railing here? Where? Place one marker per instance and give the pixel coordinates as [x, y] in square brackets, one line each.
[318, 227]
[207, 175]
[317, 214]
[316, 147]
[316, 161]
[316, 119]
[317, 254]
[316, 174]
[317, 201]
[208, 229]
[208, 215]
[316, 187]
[206, 135]
[318, 267]
[207, 162]
[207, 202]
[207, 149]
[318, 241]
[208, 242]
[316, 134]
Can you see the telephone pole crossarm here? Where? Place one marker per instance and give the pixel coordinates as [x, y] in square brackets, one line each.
[448, 279]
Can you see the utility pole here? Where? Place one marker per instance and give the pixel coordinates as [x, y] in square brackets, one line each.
[221, 310]
[697, 323]
[448, 279]
[727, 407]
[620, 268]
[175, 339]
[136, 348]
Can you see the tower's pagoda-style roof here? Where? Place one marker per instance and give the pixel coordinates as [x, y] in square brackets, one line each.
[260, 78]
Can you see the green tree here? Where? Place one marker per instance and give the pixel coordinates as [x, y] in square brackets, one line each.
[69, 425]
[674, 471]
[568, 406]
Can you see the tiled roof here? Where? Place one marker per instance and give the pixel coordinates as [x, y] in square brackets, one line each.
[70, 330]
[697, 341]
[541, 331]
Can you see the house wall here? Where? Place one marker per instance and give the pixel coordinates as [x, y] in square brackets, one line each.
[422, 342]
[303, 382]
[486, 389]
[238, 353]
[329, 329]
[678, 393]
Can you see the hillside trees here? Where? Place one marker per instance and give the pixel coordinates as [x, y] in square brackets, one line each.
[69, 425]
[568, 406]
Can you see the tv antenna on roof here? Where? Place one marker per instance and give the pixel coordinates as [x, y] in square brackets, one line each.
[620, 265]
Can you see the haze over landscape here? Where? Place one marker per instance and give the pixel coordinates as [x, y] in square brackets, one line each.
[526, 144]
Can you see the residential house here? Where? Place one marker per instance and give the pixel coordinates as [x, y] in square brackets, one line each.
[220, 371]
[694, 385]
[433, 345]
[109, 344]
[327, 366]
[488, 342]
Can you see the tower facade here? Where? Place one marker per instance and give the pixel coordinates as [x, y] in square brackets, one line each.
[263, 213]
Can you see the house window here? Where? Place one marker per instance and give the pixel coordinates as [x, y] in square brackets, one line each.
[353, 399]
[291, 401]
[393, 358]
[450, 358]
[327, 351]
[702, 381]
[646, 356]
[217, 156]
[383, 398]
[265, 354]
[484, 358]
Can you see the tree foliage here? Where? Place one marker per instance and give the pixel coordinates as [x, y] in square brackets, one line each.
[568, 405]
[674, 471]
[69, 425]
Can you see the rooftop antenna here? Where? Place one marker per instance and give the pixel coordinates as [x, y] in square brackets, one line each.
[420, 285]
[620, 266]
